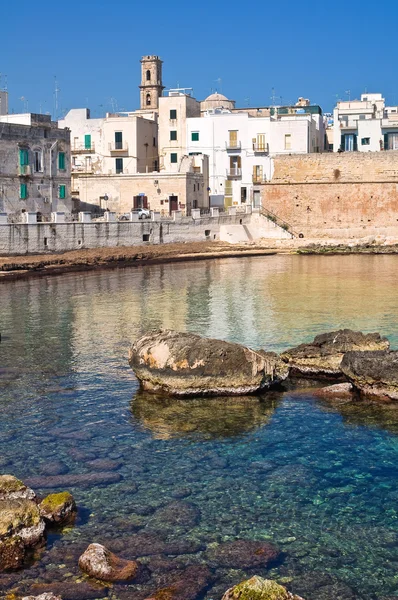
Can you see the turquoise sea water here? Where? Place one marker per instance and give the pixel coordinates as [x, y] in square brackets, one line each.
[167, 481]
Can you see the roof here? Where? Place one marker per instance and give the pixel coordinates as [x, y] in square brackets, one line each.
[216, 96]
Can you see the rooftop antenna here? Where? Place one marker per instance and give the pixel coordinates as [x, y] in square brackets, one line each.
[25, 103]
[219, 81]
[247, 100]
[113, 103]
[56, 92]
[348, 92]
[273, 97]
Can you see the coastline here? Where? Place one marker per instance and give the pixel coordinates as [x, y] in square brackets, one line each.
[20, 267]
[36, 265]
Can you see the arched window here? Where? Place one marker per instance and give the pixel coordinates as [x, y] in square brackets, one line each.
[148, 75]
[148, 99]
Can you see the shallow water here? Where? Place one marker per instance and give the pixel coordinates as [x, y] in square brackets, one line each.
[316, 479]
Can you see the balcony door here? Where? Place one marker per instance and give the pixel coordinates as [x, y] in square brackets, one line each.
[234, 164]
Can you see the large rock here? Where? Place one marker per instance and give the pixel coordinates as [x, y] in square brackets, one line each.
[258, 588]
[186, 364]
[11, 488]
[46, 596]
[322, 357]
[57, 507]
[97, 561]
[21, 526]
[189, 585]
[373, 374]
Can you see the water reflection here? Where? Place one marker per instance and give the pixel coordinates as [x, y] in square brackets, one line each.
[206, 418]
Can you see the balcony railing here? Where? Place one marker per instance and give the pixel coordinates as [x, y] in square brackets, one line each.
[258, 179]
[118, 147]
[83, 149]
[261, 148]
[82, 169]
[24, 170]
[233, 146]
[349, 124]
[234, 173]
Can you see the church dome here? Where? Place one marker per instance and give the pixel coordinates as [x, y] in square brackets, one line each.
[217, 100]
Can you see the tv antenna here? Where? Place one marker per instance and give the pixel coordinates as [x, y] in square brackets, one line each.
[56, 93]
[25, 104]
[348, 92]
[219, 82]
[273, 97]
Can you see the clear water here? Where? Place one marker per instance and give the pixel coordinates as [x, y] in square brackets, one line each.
[318, 480]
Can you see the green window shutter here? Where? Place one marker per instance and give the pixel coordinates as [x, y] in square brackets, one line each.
[195, 136]
[119, 165]
[173, 114]
[173, 136]
[61, 161]
[386, 141]
[87, 142]
[23, 191]
[23, 157]
[173, 157]
[355, 143]
[62, 191]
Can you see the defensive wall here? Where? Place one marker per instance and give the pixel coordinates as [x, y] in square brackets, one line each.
[348, 196]
[41, 238]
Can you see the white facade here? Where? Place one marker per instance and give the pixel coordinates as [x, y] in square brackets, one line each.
[240, 149]
[116, 144]
[365, 125]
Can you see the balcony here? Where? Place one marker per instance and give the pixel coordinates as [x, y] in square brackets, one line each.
[234, 173]
[390, 121]
[233, 146]
[349, 124]
[258, 179]
[118, 148]
[24, 170]
[261, 148]
[83, 149]
[82, 169]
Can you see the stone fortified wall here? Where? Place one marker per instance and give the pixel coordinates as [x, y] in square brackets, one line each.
[17, 239]
[341, 196]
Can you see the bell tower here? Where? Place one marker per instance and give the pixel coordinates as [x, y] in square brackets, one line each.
[151, 87]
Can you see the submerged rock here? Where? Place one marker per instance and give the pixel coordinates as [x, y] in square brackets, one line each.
[45, 596]
[339, 391]
[322, 357]
[97, 561]
[373, 374]
[185, 364]
[189, 585]
[258, 588]
[243, 554]
[57, 507]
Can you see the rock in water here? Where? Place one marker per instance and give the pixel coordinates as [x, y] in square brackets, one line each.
[373, 374]
[46, 596]
[186, 364]
[97, 561]
[11, 488]
[20, 527]
[322, 357]
[57, 507]
[258, 588]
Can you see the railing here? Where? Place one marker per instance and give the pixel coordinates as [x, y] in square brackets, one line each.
[82, 169]
[259, 179]
[261, 148]
[24, 170]
[233, 145]
[234, 173]
[349, 124]
[118, 147]
[83, 149]
[277, 220]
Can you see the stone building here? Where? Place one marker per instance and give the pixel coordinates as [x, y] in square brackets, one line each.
[34, 166]
[151, 87]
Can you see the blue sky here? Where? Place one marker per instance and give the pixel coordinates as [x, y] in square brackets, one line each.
[313, 49]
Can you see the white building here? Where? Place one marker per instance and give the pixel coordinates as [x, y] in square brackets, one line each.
[365, 125]
[240, 147]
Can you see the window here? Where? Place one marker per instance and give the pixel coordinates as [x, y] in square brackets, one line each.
[173, 136]
[261, 142]
[233, 139]
[23, 157]
[195, 136]
[148, 75]
[391, 141]
[87, 142]
[257, 173]
[288, 141]
[350, 142]
[62, 191]
[154, 141]
[173, 157]
[119, 165]
[228, 193]
[37, 163]
[61, 161]
[118, 140]
[148, 100]
[23, 191]
[365, 141]
[173, 115]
